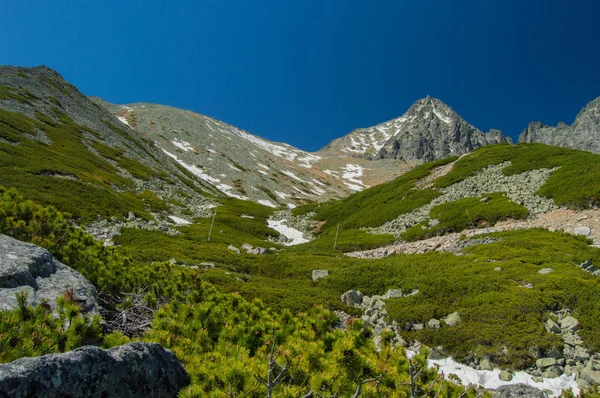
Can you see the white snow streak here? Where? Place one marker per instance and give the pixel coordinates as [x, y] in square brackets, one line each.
[353, 174]
[179, 221]
[266, 202]
[183, 145]
[123, 120]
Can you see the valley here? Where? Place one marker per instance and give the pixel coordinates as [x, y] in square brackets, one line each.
[205, 239]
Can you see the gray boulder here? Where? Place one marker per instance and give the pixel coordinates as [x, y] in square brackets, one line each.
[569, 324]
[28, 268]
[352, 297]
[545, 271]
[392, 293]
[434, 324]
[552, 327]
[131, 370]
[518, 390]
[505, 375]
[590, 376]
[452, 319]
[319, 273]
[233, 249]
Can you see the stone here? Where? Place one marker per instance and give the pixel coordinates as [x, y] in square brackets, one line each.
[590, 376]
[377, 304]
[552, 327]
[131, 370]
[571, 339]
[352, 297]
[392, 293]
[30, 269]
[418, 326]
[518, 390]
[452, 319]
[585, 231]
[208, 265]
[434, 324]
[247, 247]
[233, 249]
[581, 354]
[485, 364]
[545, 271]
[551, 372]
[497, 268]
[569, 324]
[319, 273]
[544, 363]
[505, 375]
[553, 353]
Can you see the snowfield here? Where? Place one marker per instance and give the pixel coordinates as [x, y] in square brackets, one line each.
[289, 232]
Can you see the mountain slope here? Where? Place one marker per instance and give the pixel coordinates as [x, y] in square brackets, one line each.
[429, 130]
[583, 134]
[59, 148]
[246, 166]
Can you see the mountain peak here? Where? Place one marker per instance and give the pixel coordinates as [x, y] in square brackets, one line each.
[428, 130]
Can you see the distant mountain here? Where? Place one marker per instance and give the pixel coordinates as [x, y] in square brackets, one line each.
[429, 130]
[583, 134]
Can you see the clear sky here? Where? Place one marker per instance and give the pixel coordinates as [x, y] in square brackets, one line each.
[306, 72]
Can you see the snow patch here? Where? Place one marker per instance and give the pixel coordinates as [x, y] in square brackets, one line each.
[289, 232]
[353, 174]
[290, 174]
[123, 120]
[263, 166]
[282, 195]
[179, 220]
[183, 145]
[266, 202]
[490, 379]
[291, 205]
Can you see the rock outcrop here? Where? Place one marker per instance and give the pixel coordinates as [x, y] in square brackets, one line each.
[131, 370]
[518, 390]
[429, 130]
[28, 268]
[583, 134]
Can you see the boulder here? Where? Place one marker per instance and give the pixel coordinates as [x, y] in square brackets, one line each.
[505, 375]
[485, 364]
[569, 324]
[544, 363]
[247, 247]
[452, 319]
[392, 293]
[590, 376]
[131, 370]
[552, 327]
[434, 324]
[545, 271]
[518, 390]
[352, 297]
[233, 249]
[28, 268]
[319, 273]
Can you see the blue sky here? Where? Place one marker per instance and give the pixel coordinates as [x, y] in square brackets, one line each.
[306, 72]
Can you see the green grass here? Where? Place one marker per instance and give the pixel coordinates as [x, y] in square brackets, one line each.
[26, 166]
[575, 184]
[466, 213]
[375, 206]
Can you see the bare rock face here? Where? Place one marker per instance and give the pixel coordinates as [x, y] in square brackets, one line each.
[28, 268]
[131, 370]
[429, 130]
[583, 134]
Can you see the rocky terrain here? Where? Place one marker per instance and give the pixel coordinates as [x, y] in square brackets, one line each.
[583, 134]
[429, 130]
[246, 166]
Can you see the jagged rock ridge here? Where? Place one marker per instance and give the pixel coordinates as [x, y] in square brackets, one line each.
[583, 134]
[429, 130]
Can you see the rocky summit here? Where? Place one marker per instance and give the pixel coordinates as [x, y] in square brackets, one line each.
[583, 134]
[429, 130]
